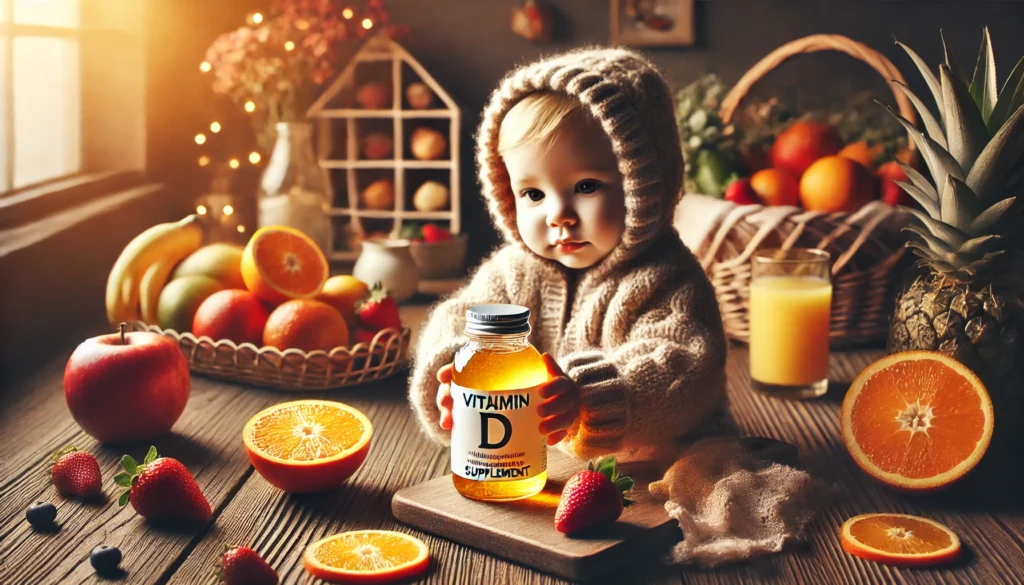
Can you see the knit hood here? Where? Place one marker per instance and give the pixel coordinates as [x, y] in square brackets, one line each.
[631, 100]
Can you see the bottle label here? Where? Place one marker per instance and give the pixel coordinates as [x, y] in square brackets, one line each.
[496, 435]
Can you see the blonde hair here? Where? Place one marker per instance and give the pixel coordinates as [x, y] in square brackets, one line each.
[535, 118]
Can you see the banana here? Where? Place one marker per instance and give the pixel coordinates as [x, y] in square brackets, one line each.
[152, 283]
[172, 240]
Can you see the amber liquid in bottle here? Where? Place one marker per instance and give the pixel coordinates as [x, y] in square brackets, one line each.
[490, 364]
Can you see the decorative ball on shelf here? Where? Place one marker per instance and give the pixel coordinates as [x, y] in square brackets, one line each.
[374, 96]
[419, 96]
[427, 144]
[431, 196]
[379, 195]
[377, 146]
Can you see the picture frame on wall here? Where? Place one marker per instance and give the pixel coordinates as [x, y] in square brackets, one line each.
[652, 23]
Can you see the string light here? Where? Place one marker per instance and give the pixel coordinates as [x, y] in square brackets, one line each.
[250, 106]
[200, 138]
[215, 127]
[257, 18]
[347, 13]
[228, 210]
[205, 67]
[241, 229]
[289, 46]
[367, 23]
[204, 160]
[233, 163]
[201, 209]
[254, 157]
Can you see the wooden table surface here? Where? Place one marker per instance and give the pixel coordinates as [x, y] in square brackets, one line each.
[985, 510]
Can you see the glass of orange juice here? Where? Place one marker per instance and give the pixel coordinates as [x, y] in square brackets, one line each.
[790, 311]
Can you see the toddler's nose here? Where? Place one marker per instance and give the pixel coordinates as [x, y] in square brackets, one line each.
[560, 213]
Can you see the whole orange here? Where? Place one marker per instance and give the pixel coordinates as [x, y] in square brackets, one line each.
[305, 324]
[798, 146]
[775, 187]
[237, 315]
[861, 152]
[343, 292]
[836, 183]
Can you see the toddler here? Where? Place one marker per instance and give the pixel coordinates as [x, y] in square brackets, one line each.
[580, 164]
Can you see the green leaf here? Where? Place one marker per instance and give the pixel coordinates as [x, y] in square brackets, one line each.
[988, 175]
[624, 484]
[926, 73]
[951, 62]
[930, 124]
[955, 204]
[129, 465]
[1011, 98]
[918, 179]
[983, 85]
[150, 455]
[987, 220]
[930, 205]
[948, 234]
[123, 479]
[123, 500]
[980, 245]
[606, 467]
[966, 134]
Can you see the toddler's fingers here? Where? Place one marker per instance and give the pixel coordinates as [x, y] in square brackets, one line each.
[555, 387]
[564, 402]
[554, 370]
[444, 375]
[556, 437]
[557, 423]
[446, 420]
[444, 397]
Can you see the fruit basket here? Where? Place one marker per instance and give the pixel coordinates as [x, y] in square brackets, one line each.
[292, 369]
[866, 244]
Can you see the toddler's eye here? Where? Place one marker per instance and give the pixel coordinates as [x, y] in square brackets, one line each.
[534, 194]
[587, 186]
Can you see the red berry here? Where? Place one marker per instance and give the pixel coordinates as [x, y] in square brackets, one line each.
[162, 489]
[76, 474]
[741, 193]
[244, 566]
[592, 498]
[433, 234]
[379, 311]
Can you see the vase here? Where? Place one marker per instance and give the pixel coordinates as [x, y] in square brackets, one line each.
[293, 191]
[390, 263]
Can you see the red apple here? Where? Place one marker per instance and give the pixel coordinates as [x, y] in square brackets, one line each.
[741, 193]
[892, 193]
[126, 386]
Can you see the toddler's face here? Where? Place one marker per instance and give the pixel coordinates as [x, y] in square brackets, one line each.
[569, 201]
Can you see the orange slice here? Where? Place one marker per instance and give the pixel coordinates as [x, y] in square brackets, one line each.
[917, 420]
[367, 556]
[307, 445]
[899, 539]
[282, 263]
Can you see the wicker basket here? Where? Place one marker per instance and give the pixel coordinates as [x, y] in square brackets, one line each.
[292, 369]
[866, 245]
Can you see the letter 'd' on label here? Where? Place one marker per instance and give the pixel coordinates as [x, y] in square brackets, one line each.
[496, 435]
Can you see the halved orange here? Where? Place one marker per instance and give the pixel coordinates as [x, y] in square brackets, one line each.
[367, 556]
[899, 539]
[917, 420]
[281, 263]
[307, 445]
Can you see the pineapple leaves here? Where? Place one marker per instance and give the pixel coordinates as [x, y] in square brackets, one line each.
[966, 134]
[983, 85]
[987, 221]
[1011, 98]
[918, 180]
[930, 204]
[937, 247]
[940, 163]
[926, 73]
[995, 163]
[946, 233]
[980, 245]
[951, 62]
[930, 123]
[955, 204]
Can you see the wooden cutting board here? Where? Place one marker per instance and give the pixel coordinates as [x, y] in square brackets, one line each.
[524, 531]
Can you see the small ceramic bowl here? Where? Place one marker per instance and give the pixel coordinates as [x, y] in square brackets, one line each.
[442, 259]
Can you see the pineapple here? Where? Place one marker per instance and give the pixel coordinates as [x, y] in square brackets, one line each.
[968, 301]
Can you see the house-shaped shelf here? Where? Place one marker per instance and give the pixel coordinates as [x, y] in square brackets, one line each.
[353, 154]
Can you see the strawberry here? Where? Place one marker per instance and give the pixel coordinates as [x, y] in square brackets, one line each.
[162, 489]
[592, 498]
[364, 335]
[379, 310]
[76, 474]
[243, 566]
[432, 234]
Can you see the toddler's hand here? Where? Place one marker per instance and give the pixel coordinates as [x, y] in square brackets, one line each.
[561, 406]
[444, 396]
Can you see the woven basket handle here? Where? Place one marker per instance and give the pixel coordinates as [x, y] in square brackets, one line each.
[813, 44]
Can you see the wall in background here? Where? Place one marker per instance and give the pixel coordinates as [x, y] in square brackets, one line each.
[467, 46]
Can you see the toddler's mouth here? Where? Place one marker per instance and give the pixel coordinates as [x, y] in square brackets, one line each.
[568, 247]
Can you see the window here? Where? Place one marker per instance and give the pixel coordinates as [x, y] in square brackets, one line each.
[71, 89]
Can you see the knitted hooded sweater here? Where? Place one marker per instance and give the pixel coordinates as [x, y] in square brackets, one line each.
[639, 332]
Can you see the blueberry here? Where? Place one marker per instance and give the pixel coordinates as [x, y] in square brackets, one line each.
[105, 558]
[41, 514]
